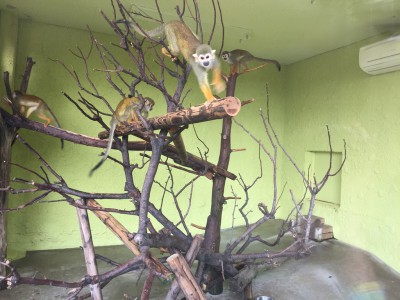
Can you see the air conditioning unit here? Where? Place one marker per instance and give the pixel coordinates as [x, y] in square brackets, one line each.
[381, 57]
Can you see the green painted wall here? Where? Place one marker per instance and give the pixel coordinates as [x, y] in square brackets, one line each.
[54, 225]
[331, 89]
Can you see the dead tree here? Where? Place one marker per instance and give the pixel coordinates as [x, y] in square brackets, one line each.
[214, 265]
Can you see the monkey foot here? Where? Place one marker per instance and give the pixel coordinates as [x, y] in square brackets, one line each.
[208, 102]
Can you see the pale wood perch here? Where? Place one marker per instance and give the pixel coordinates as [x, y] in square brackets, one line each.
[185, 278]
[218, 109]
[123, 234]
[88, 250]
[190, 257]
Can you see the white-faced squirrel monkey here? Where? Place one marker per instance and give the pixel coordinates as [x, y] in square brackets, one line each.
[239, 57]
[201, 57]
[28, 104]
[125, 112]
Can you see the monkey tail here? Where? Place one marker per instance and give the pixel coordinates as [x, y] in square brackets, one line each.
[56, 121]
[145, 33]
[271, 61]
[110, 141]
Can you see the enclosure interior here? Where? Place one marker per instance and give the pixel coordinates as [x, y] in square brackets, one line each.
[314, 88]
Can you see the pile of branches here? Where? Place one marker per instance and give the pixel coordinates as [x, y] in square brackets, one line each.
[213, 265]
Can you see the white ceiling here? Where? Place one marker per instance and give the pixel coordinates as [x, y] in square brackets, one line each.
[286, 30]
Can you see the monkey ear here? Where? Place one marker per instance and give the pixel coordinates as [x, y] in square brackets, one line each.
[213, 53]
[195, 57]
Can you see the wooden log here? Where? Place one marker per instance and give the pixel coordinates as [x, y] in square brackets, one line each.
[190, 257]
[185, 278]
[248, 292]
[218, 109]
[229, 106]
[88, 250]
[123, 234]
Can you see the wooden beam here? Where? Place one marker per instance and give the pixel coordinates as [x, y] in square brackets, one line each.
[88, 250]
[185, 278]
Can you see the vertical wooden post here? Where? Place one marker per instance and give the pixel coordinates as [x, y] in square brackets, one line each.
[185, 278]
[88, 249]
[212, 236]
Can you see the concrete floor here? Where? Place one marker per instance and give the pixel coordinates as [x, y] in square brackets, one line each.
[333, 271]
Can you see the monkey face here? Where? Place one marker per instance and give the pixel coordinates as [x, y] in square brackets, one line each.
[205, 59]
[225, 56]
[149, 103]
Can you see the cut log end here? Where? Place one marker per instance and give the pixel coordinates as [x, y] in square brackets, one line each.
[232, 106]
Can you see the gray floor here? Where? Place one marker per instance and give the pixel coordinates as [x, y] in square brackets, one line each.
[334, 270]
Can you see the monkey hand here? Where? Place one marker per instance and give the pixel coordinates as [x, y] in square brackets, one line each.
[218, 86]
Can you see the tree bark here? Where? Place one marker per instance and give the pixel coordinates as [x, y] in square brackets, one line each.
[6, 138]
[212, 236]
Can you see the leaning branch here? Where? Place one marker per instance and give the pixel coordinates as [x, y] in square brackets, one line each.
[197, 164]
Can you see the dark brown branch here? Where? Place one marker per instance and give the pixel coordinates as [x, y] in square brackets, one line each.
[73, 192]
[157, 214]
[27, 73]
[14, 277]
[147, 286]
[157, 143]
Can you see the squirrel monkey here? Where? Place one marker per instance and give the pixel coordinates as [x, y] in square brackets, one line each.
[201, 57]
[125, 112]
[28, 104]
[239, 57]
